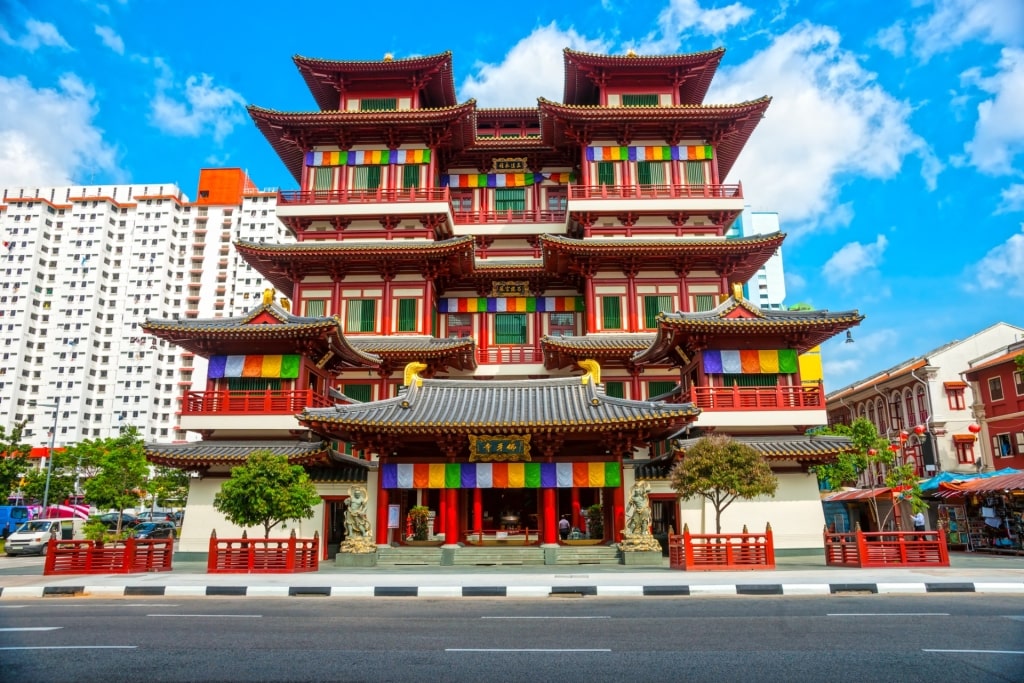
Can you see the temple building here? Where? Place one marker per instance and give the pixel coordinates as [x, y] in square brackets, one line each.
[507, 316]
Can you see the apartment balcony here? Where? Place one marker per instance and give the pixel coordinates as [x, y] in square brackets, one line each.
[414, 201]
[760, 406]
[227, 410]
[676, 197]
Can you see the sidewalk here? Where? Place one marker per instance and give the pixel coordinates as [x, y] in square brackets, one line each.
[794, 575]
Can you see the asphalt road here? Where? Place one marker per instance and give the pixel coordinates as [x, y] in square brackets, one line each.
[935, 638]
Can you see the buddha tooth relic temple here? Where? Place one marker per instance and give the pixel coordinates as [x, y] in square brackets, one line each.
[507, 316]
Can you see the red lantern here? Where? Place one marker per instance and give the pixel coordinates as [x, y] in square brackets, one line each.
[872, 452]
[974, 428]
[895, 448]
[919, 430]
[904, 435]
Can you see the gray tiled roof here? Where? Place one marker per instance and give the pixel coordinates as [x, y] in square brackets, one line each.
[231, 452]
[350, 474]
[760, 314]
[813, 447]
[410, 342]
[538, 403]
[601, 342]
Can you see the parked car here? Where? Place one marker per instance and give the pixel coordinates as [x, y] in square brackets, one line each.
[154, 530]
[149, 516]
[11, 516]
[110, 519]
[33, 536]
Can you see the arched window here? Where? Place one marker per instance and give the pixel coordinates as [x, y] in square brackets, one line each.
[908, 399]
[895, 411]
[883, 418]
[922, 406]
[871, 413]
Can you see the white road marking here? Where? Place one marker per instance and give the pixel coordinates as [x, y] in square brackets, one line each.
[74, 647]
[31, 628]
[219, 616]
[594, 617]
[983, 652]
[524, 649]
[888, 614]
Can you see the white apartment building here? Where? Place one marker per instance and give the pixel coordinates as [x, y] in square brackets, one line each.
[82, 266]
[767, 288]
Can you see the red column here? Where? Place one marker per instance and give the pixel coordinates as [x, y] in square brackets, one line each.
[440, 522]
[632, 316]
[590, 303]
[385, 314]
[618, 513]
[428, 306]
[382, 512]
[478, 511]
[549, 533]
[577, 518]
[451, 531]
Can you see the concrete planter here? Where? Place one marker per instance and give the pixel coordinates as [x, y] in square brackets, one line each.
[642, 558]
[355, 560]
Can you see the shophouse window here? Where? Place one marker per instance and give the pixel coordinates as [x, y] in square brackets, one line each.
[922, 406]
[611, 313]
[367, 177]
[995, 389]
[653, 305]
[1018, 381]
[955, 396]
[460, 325]
[407, 315]
[361, 315]
[510, 328]
[561, 324]
[1002, 447]
[965, 452]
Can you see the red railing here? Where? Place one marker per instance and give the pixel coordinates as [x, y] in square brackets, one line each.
[406, 195]
[89, 557]
[266, 402]
[509, 354]
[263, 555]
[710, 552]
[655, 191]
[782, 397]
[886, 549]
[495, 217]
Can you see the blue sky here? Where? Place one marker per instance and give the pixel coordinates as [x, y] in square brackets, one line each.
[893, 149]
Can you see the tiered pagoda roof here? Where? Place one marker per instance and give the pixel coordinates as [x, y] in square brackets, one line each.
[213, 453]
[563, 352]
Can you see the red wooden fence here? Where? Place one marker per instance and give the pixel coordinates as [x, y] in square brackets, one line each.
[886, 549]
[88, 557]
[710, 552]
[263, 555]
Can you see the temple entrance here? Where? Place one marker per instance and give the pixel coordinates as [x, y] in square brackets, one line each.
[513, 511]
[334, 525]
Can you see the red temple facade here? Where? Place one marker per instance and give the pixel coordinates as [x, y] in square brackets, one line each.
[507, 315]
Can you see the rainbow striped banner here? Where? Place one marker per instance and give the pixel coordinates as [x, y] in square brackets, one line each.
[501, 475]
[282, 367]
[745, 362]
[368, 157]
[491, 179]
[657, 153]
[526, 304]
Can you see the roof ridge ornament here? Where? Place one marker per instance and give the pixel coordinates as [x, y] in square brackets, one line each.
[412, 372]
[593, 370]
[268, 296]
[737, 291]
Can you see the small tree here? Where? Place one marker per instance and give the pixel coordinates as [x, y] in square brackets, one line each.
[419, 515]
[122, 471]
[720, 470]
[595, 521]
[868, 448]
[168, 485]
[266, 491]
[13, 458]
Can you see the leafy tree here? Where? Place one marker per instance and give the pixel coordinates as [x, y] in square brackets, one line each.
[168, 485]
[13, 458]
[868, 448]
[122, 470]
[801, 306]
[720, 470]
[266, 491]
[34, 487]
[1018, 361]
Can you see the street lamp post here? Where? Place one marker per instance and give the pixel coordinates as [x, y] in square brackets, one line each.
[53, 443]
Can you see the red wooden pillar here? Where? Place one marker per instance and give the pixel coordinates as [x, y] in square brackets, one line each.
[382, 513]
[577, 518]
[618, 513]
[428, 306]
[590, 302]
[451, 531]
[549, 527]
[478, 511]
[385, 314]
[440, 522]
[632, 316]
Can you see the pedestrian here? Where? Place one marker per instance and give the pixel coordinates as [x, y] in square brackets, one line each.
[563, 527]
[918, 520]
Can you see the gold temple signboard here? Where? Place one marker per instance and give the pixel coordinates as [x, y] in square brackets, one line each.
[509, 165]
[486, 448]
[510, 288]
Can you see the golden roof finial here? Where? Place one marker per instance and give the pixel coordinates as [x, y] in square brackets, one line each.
[631, 53]
[388, 57]
[737, 290]
[268, 296]
[593, 369]
[412, 372]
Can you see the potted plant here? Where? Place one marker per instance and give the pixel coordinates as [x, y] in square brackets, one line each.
[419, 515]
[595, 521]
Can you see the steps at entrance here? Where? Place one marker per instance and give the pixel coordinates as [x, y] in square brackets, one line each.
[404, 555]
[496, 555]
[589, 554]
[488, 555]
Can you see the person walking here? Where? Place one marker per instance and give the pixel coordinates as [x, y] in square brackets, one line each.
[563, 527]
[919, 525]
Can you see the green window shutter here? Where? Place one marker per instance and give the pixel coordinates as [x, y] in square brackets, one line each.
[367, 177]
[511, 328]
[750, 380]
[605, 173]
[655, 389]
[253, 384]
[615, 389]
[360, 392]
[410, 176]
[611, 307]
[407, 315]
[315, 308]
[378, 103]
[695, 174]
[641, 100]
[323, 178]
[705, 302]
[650, 172]
[653, 305]
[369, 317]
[361, 316]
[510, 199]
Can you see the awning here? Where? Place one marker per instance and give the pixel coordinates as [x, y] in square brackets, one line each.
[859, 494]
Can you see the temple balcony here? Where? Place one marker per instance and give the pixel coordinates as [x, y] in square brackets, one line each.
[760, 406]
[260, 410]
[693, 199]
[414, 201]
[532, 221]
[501, 355]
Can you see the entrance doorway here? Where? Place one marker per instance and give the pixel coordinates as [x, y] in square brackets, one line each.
[334, 525]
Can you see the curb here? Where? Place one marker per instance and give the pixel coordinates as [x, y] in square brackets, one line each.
[427, 591]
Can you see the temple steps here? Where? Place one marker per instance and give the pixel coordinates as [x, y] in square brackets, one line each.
[497, 556]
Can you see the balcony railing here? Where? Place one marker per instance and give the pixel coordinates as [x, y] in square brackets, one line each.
[807, 397]
[509, 354]
[493, 217]
[407, 195]
[656, 191]
[265, 402]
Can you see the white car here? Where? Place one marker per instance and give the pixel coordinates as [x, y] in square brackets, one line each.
[33, 537]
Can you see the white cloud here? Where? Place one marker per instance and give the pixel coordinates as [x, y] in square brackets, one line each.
[955, 22]
[526, 72]
[795, 283]
[1001, 268]
[1013, 199]
[892, 39]
[999, 131]
[199, 108]
[686, 17]
[843, 363]
[110, 38]
[853, 260]
[47, 136]
[829, 120]
[37, 34]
